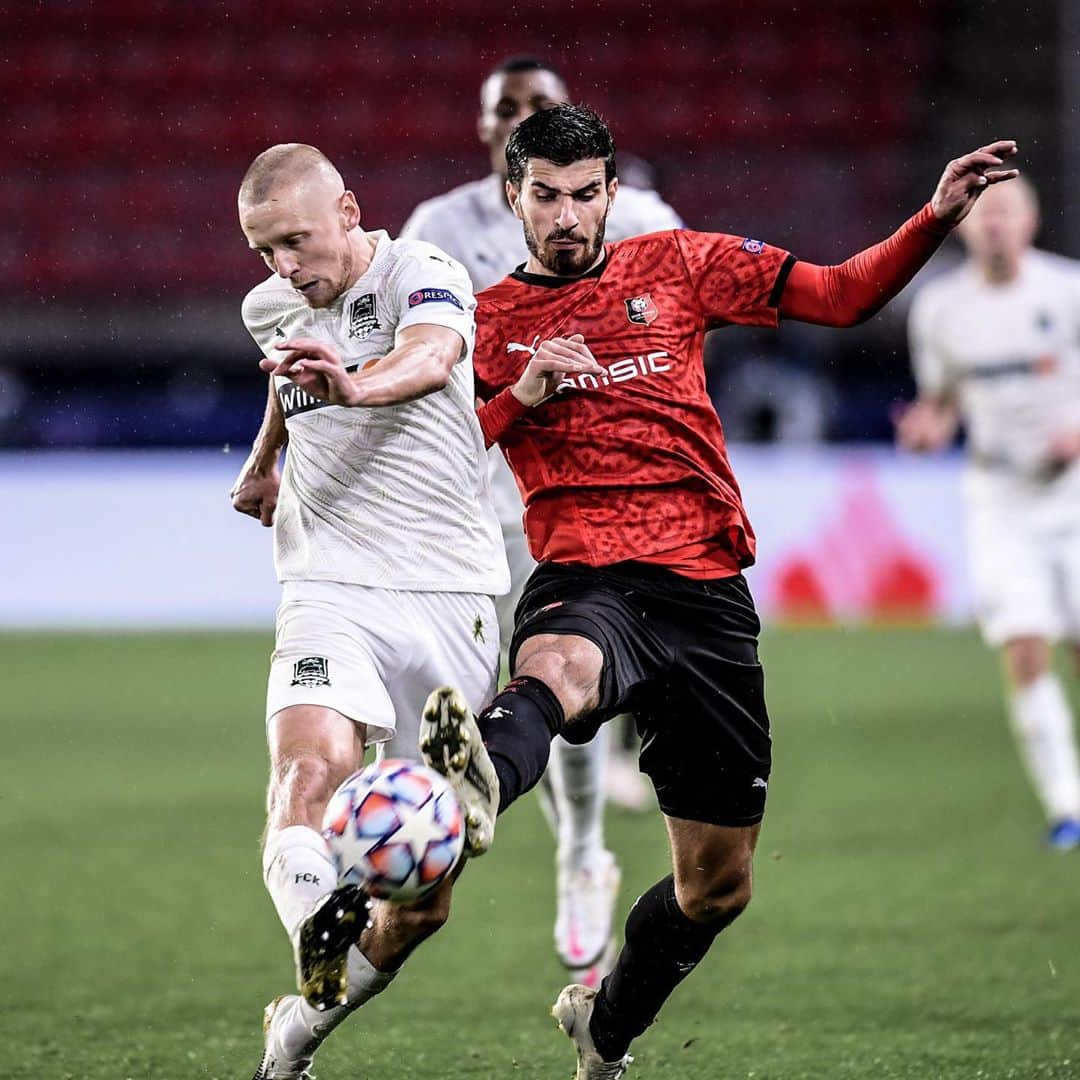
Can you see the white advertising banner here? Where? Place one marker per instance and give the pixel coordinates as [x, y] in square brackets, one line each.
[149, 539]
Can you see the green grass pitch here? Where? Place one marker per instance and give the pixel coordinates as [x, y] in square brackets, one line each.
[907, 920]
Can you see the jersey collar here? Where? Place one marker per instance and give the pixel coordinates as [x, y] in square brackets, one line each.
[546, 281]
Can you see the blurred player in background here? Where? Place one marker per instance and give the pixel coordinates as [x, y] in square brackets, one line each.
[590, 361]
[996, 344]
[474, 224]
[386, 545]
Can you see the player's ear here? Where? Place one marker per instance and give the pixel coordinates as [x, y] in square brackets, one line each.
[350, 210]
[612, 189]
[513, 197]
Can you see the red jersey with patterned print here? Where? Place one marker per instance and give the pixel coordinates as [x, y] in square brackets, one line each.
[631, 465]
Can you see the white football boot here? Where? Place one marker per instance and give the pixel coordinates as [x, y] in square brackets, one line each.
[450, 743]
[585, 911]
[275, 1065]
[572, 1010]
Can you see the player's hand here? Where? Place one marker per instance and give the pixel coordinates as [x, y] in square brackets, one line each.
[255, 492]
[553, 361]
[317, 368]
[1064, 448]
[966, 178]
[924, 425]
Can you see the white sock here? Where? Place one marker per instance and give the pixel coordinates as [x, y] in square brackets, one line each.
[1043, 723]
[304, 1027]
[577, 792]
[298, 872]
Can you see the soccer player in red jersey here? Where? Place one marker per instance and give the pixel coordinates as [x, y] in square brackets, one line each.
[589, 359]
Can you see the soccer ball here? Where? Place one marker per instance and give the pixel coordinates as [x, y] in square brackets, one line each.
[394, 828]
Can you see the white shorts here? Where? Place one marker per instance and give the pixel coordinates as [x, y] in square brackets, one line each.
[374, 655]
[1024, 546]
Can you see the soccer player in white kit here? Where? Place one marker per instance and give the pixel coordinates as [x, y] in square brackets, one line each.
[996, 344]
[474, 224]
[386, 544]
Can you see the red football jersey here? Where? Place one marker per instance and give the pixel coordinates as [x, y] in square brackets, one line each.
[631, 464]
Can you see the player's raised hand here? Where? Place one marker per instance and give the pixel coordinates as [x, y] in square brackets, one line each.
[967, 177]
[551, 362]
[255, 492]
[925, 425]
[317, 368]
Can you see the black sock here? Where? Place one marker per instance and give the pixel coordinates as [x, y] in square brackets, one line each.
[662, 947]
[517, 728]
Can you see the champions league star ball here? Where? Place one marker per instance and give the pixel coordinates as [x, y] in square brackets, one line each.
[395, 829]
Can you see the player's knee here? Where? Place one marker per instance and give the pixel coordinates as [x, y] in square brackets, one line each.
[305, 778]
[715, 899]
[569, 666]
[1026, 660]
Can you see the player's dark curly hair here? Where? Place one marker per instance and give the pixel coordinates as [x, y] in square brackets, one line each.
[562, 135]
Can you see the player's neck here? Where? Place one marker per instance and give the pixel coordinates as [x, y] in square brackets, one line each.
[1000, 269]
[363, 246]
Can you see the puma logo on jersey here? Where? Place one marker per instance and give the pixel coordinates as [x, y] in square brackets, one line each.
[516, 346]
[631, 367]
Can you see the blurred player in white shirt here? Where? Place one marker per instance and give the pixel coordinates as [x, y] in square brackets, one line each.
[386, 545]
[474, 224]
[996, 344]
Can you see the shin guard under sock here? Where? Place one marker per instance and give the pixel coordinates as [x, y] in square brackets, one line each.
[517, 728]
[662, 947]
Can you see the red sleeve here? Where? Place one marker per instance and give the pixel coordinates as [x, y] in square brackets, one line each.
[499, 415]
[858, 288]
[735, 278]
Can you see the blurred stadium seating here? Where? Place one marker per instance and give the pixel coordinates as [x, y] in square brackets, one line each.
[130, 123]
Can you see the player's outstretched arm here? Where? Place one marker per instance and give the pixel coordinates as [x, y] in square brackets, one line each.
[255, 492]
[851, 292]
[420, 364]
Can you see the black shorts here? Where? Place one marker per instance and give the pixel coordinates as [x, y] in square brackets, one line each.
[681, 655]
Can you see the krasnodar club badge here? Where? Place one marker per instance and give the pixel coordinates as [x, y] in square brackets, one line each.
[362, 317]
[311, 671]
[641, 309]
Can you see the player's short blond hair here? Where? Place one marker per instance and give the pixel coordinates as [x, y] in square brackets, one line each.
[285, 164]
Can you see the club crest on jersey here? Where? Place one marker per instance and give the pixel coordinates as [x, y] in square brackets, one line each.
[754, 247]
[363, 318]
[311, 671]
[641, 309]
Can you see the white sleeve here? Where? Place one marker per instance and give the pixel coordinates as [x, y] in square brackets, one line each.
[431, 288]
[262, 312]
[929, 361]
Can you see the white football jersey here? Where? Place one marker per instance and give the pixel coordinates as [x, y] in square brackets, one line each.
[474, 224]
[396, 496]
[1009, 354]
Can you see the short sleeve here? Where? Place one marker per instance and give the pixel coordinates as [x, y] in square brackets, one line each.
[266, 309]
[736, 279]
[929, 361]
[430, 287]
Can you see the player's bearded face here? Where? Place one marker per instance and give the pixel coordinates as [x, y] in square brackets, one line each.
[564, 212]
